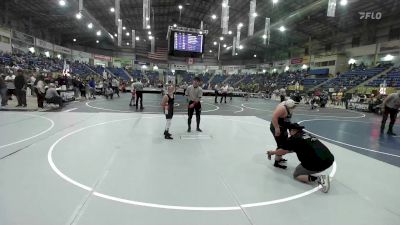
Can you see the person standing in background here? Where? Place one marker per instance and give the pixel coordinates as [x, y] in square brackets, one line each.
[390, 106]
[138, 85]
[194, 94]
[40, 90]
[224, 92]
[20, 88]
[167, 103]
[230, 93]
[216, 90]
[3, 91]
[115, 85]
[10, 85]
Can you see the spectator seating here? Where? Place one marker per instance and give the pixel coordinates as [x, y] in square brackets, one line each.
[392, 79]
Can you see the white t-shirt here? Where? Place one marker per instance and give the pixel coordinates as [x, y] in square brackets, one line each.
[10, 81]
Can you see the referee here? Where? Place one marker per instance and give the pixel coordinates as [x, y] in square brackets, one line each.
[194, 94]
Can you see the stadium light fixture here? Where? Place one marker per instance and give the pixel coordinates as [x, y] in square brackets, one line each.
[343, 2]
[127, 33]
[221, 38]
[123, 28]
[210, 51]
[112, 9]
[144, 67]
[304, 66]
[155, 67]
[147, 18]
[264, 71]
[236, 53]
[137, 38]
[224, 5]
[275, 1]
[264, 36]
[214, 17]
[150, 37]
[148, 27]
[127, 43]
[98, 33]
[149, 32]
[47, 54]
[274, 70]
[115, 35]
[175, 25]
[240, 25]
[215, 43]
[224, 45]
[241, 47]
[388, 57]
[78, 16]
[62, 3]
[255, 14]
[74, 40]
[255, 56]
[97, 41]
[59, 56]
[352, 61]
[282, 29]
[90, 25]
[230, 32]
[180, 7]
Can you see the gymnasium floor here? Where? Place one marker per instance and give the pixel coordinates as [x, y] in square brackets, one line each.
[102, 163]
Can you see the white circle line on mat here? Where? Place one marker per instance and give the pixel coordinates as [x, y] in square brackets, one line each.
[163, 206]
[34, 136]
[343, 143]
[124, 111]
[314, 115]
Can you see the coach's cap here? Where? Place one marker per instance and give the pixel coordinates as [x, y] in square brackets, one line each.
[295, 126]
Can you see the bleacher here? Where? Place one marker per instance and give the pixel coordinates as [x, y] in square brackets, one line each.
[119, 72]
[154, 77]
[312, 82]
[136, 74]
[218, 79]
[353, 78]
[234, 79]
[392, 79]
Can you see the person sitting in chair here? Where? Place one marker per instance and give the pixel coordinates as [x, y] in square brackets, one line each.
[52, 96]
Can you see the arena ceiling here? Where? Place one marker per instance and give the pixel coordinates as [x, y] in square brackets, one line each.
[303, 19]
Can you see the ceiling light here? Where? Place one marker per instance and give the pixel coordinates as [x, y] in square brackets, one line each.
[388, 58]
[61, 3]
[230, 32]
[97, 41]
[304, 66]
[180, 7]
[127, 43]
[241, 47]
[78, 16]
[116, 35]
[214, 17]
[264, 36]
[150, 37]
[240, 25]
[137, 38]
[343, 2]
[112, 9]
[221, 38]
[47, 54]
[123, 28]
[149, 32]
[119, 20]
[255, 14]
[74, 39]
[286, 68]
[127, 34]
[352, 61]
[282, 28]
[274, 1]
[224, 5]
[274, 70]
[59, 56]
[236, 53]
[264, 71]
[255, 56]
[155, 67]
[210, 51]
[175, 25]
[98, 33]
[201, 32]
[224, 45]
[148, 27]
[147, 18]
[90, 25]
[215, 43]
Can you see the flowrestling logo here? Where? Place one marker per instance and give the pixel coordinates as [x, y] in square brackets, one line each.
[370, 15]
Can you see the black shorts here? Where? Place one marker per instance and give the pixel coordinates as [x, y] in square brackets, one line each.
[170, 114]
[282, 138]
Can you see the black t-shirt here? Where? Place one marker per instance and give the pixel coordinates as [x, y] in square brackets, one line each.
[312, 154]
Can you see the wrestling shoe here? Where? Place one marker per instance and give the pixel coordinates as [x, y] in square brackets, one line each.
[324, 181]
[277, 165]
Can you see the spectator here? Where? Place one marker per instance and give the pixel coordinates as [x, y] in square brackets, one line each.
[20, 88]
[3, 91]
[52, 96]
[92, 88]
[10, 85]
[40, 90]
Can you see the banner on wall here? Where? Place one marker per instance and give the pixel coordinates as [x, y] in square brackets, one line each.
[389, 46]
[103, 58]
[213, 67]
[43, 44]
[5, 32]
[123, 61]
[30, 40]
[281, 63]
[179, 67]
[62, 49]
[296, 61]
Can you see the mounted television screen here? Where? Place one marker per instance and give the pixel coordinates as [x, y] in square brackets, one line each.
[184, 44]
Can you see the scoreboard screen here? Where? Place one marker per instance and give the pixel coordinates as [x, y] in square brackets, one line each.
[188, 42]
